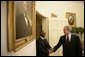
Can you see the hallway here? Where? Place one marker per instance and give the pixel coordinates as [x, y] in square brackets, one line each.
[18, 37]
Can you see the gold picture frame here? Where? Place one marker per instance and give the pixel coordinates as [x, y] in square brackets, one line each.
[15, 42]
[71, 19]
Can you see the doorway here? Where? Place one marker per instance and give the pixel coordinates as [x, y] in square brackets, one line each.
[39, 24]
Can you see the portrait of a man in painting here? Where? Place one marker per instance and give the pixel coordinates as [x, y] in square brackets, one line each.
[21, 24]
[71, 18]
[23, 20]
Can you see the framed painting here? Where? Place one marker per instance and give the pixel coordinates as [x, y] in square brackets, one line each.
[71, 19]
[21, 26]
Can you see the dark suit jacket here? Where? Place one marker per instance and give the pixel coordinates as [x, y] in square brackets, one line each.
[42, 47]
[75, 46]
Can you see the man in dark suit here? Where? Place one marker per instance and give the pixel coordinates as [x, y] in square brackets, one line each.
[43, 46]
[70, 42]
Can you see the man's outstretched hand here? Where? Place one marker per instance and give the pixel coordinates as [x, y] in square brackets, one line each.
[51, 51]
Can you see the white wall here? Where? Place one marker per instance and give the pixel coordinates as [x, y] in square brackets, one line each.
[61, 7]
[28, 50]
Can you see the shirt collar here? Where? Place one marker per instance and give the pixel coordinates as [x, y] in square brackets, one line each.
[41, 37]
[69, 36]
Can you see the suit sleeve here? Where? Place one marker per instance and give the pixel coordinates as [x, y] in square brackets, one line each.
[79, 47]
[47, 44]
[58, 45]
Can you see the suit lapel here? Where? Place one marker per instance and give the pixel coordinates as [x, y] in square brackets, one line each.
[72, 38]
[65, 39]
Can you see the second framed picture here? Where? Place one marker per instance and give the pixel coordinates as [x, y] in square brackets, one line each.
[71, 19]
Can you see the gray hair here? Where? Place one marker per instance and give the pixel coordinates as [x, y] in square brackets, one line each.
[68, 28]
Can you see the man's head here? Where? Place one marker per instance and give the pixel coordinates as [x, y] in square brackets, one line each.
[67, 30]
[42, 33]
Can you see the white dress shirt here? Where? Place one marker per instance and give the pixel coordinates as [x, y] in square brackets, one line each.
[41, 37]
[69, 37]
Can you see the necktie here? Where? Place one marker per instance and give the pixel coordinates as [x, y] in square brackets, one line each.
[68, 42]
[68, 39]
